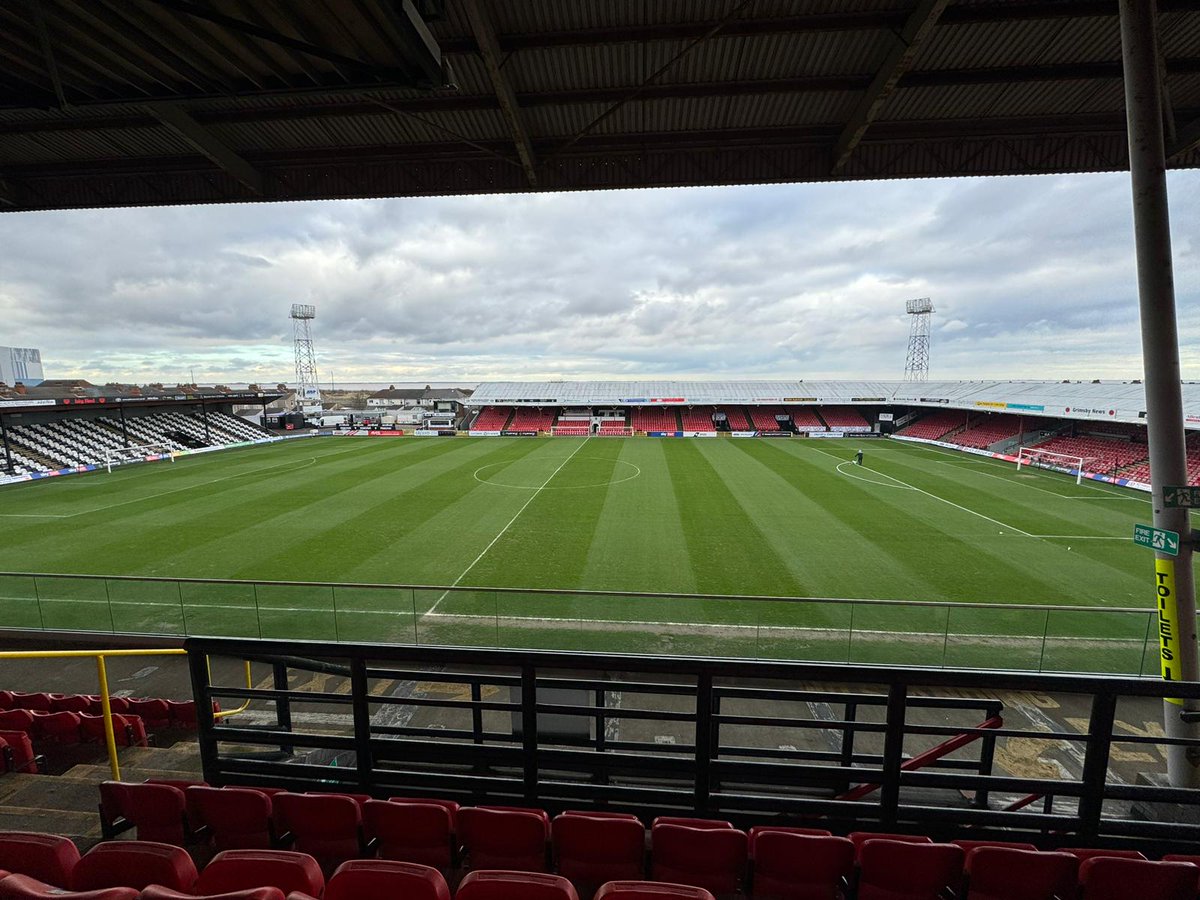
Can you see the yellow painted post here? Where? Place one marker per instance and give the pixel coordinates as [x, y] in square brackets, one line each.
[106, 708]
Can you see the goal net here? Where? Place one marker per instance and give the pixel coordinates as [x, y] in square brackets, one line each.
[120, 456]
[1059, 462]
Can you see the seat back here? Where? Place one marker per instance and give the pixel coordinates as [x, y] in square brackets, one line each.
[1122, 878]
[237, 818]
[690, 822]
[1005, 873]
[156, 713]
[237, 870]
[157, 810]
[1086, 853]
[134, 864]
[158, 892]
[327, 826]
[711, 858]
[501, 885]
[800, 866]
[58, 727]
[449, 805]
[16, 720]
[47, 858]
[913, 870]
[650, 890]
[594, 850]
[410, 832]
[861, 837]
[22, 887]
[504, 839]
[386, 879]
[70, 703]
[39, 701]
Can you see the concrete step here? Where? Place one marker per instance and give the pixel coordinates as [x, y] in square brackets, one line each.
[96, 774]
[55, 793]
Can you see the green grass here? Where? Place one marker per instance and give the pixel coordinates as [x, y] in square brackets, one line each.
[785, 518]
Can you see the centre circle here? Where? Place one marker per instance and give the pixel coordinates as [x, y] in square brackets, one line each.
[552, 487]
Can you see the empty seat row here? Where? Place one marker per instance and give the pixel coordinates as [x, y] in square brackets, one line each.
[155, 712]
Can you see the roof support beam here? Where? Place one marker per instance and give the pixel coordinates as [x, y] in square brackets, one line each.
[208, 144]
[920, 24]
[43, 33]
[489, 49]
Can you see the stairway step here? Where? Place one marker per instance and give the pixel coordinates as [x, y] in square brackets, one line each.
[74, 825]
[95, 774]
[56, 792]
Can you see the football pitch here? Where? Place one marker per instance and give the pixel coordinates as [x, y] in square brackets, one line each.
[771, 518]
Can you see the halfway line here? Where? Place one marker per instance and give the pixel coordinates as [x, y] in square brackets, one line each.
[500, 533]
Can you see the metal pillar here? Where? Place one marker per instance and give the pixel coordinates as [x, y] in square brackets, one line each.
[124, 430]
[1160, 359]
[8, 460]
[204, 416]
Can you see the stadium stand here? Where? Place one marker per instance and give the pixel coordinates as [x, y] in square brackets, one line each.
[613, 427]
[45, 446]
[655, 418]
[1141, 471]
[573, 427]
[840, 418]
[1108, 454]
[736, 416]
[805, 419]
[935, 426]
[526, 419]
[992, 429]
[763, 418]
[492, 418]
[697, 418]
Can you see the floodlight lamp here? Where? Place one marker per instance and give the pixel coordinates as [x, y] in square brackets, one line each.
[303, 311]
[919, 306]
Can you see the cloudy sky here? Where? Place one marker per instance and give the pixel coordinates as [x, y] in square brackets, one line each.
[1031, 277]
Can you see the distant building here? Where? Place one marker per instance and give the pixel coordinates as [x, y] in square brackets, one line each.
[21, 364]
[447, 399]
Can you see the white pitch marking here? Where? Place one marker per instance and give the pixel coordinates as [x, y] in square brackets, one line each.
[508, 525]
[977, 470]
[899, 484]
[936, 497]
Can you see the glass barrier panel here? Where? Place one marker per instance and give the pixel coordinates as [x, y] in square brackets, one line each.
[455, 618]
[298, 612]
[19, 607]
[883, 634]
[228, 610]
[378, 615]
[145, 607]
[74, 604]
[813, 632]
[984, 638]
[1093, 640]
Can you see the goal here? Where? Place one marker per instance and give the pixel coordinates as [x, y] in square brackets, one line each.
[120, 456]
[1059, 462]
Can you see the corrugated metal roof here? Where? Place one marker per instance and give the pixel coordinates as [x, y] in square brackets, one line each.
[609, 93]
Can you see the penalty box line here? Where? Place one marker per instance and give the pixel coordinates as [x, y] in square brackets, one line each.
[934, 496]
[507, 525]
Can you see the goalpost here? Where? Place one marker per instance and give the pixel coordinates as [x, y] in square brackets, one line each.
[142, 453]
[1045, 459]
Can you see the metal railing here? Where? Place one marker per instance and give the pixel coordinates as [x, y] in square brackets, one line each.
[110, 742]
[1020, 636]
[754, 742]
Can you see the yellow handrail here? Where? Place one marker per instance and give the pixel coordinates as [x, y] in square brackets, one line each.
[102, 677]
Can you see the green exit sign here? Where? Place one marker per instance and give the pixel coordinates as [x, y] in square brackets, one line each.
[1185, 496]
[1156, 539]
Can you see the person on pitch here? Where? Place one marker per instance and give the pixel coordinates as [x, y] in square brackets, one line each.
[858, 458]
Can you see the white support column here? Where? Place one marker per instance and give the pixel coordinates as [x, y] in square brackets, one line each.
[1160, 359]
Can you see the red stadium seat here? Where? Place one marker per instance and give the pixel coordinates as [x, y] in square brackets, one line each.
[22, 887]
[238, 870]
[57, 728]
[968, 846]
[128, 731]
[1002, 873]
[906, 869]
[36, 701]
[594, 849]
[6, 699]
[76, 703]
[326, 826]
[756, 830]
[1122, 878]
[386, 879]
[134, 864]
[16, 753]
[449, 805]
[600, 814]
[46, 857]
[112, 807]
[512, 839]
[411, 832]
[16, 720]
[650, 890]
[861, 837]
[183, 712]
[158, 892]
[237, 818]
[711, 858]
[158, 811]
[1182, 857]
[154, 713]
[794, 866]
[501, 885]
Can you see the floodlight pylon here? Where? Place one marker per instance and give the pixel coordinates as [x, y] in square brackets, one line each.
[916, 364]
[307, 391]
